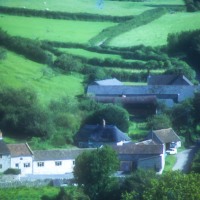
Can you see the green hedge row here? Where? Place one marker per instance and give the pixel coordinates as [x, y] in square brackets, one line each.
[62, 15]
[27, 47]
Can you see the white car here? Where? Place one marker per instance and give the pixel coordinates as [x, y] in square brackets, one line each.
[171, 151]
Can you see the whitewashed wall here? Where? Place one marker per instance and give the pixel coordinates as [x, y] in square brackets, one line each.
[5, 162]
[51, 168]
[21, 161]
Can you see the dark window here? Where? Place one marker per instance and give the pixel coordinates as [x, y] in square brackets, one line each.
[40, 164]
[58, 163]
[27, 165]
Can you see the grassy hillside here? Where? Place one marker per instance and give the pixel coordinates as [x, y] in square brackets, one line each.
[155, 33]
[16, 71]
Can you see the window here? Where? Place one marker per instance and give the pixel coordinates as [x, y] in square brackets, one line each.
[27, 165]
[17, 165]
[58, 163]
[0, 166]
[40, 164]
[21, 158]
[1, 155]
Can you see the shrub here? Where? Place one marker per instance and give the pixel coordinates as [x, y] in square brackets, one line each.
[12, 171]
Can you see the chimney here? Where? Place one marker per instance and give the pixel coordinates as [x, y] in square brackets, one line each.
[1, 135]
[104, 123]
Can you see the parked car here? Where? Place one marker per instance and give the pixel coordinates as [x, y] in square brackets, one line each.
[171, 151]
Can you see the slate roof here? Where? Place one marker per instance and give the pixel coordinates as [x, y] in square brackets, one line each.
[166, 135]
[139, 149]
[99, 133]
[168, 80]
[17, 150]
[175, 92]
[112, 81]
[61, 154]
[4, 148]
[127, 100]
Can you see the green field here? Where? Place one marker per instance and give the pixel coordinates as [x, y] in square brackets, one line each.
[85, 6]
[17, 72]
[156, 32]
[51, 29]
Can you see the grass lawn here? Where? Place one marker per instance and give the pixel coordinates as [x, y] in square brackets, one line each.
[156, 32]
[27, 193]
[17, 72]
[88, 54]
[170, 161]
[51, 29]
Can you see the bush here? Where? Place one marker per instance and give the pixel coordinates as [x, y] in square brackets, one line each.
[12, 171]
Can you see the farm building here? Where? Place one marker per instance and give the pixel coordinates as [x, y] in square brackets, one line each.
[172, 79]
[21, 157]
[97, 135]
[4, 155]
[55, 161]
[145, 155]
[167, 137]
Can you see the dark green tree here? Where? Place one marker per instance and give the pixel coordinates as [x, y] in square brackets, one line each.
[68, 63]
[93, 172]
[157, 122]
[113, 114]
[173, 186]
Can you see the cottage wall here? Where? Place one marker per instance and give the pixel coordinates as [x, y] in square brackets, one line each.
[53, 166]
[4, 162]
[25, 163]
[157, 163]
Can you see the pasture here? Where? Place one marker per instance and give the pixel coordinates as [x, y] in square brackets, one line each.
[116, 8]
[17, 72]
[51, 29]
[156, 32]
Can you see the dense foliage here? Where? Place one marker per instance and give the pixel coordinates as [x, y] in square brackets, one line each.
[192, 5]
[112, 114]
[93, 171]
[186, 44]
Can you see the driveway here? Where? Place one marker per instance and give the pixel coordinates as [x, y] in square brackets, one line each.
[184, 159]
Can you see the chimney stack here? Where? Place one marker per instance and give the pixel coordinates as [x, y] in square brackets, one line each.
[104, 123]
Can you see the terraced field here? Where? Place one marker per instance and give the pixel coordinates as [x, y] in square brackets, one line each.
[67, 35]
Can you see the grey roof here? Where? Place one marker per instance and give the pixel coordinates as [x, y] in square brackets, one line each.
[17, 150]
[127, 100]
[166, 135]
[168, 80]
[60, 154]
[175, 92]
[4, 148]
[112, 81]
[99, 133]
[131, 148]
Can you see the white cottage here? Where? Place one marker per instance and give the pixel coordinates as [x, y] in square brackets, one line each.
[55, 161]
[21, 157]
[4, 155]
